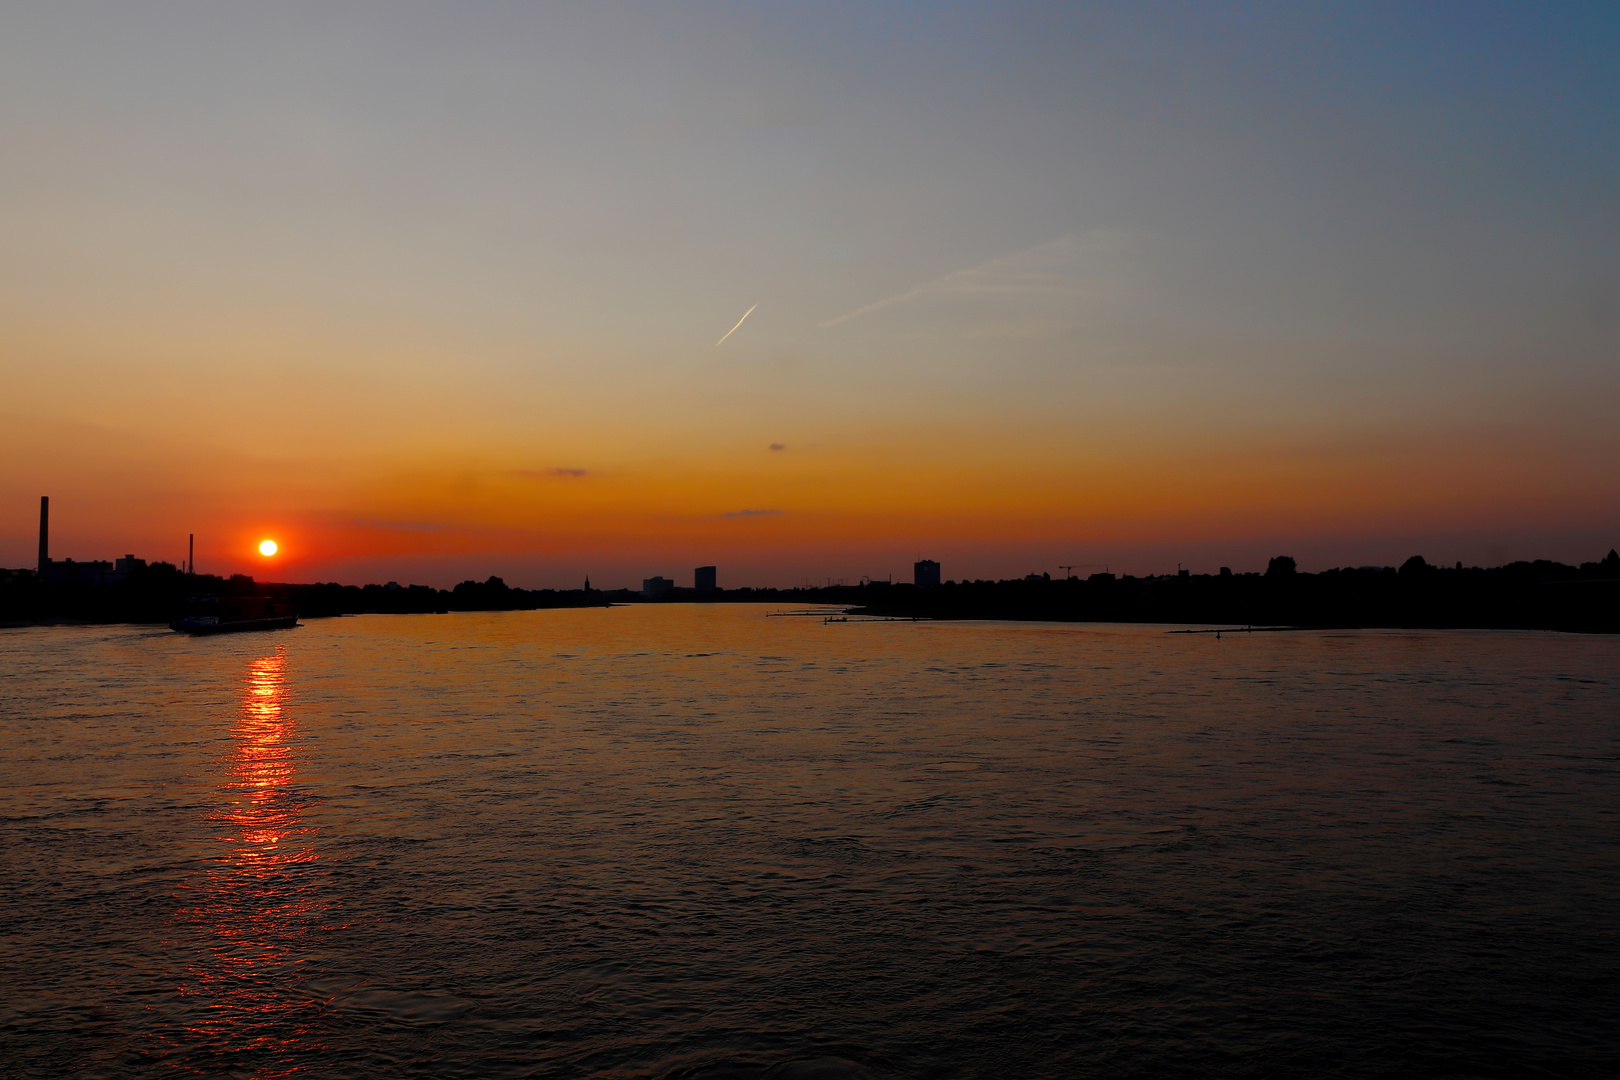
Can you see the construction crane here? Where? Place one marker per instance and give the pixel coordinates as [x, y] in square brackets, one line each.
[1076, 566]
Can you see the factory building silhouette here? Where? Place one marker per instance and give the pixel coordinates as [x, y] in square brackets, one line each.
[69, 571]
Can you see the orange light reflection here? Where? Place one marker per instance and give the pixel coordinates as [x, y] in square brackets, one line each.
[260, 901]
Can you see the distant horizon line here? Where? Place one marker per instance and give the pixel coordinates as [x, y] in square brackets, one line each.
[1613, 556]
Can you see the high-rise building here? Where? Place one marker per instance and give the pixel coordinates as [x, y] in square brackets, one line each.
[925, 572]
[703, 579]
[656, 586]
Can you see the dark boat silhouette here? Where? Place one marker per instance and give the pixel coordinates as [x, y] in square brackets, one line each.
[232, 614]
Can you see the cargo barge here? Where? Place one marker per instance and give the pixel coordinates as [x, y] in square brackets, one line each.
[233, 614]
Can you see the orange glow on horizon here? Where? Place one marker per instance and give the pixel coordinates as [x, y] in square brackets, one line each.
[856, 502]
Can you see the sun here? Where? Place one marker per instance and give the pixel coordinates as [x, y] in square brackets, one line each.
[267, 547]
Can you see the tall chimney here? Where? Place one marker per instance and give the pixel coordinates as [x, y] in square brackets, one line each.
[44, 533]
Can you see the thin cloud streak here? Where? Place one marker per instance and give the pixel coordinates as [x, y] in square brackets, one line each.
[733, 330]
[971, 280]
[403, 526]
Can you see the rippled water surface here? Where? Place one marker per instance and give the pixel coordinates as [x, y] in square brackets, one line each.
[696, 841]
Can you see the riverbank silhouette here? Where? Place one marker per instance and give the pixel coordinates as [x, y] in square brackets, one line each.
[1539, 595]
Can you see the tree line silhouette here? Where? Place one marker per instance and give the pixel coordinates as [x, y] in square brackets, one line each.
[1539, 595]
[161, 592]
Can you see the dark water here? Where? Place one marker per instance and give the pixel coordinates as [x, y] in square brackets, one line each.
[695, 841]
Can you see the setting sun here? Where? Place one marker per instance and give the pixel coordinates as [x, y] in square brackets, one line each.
[267, 547]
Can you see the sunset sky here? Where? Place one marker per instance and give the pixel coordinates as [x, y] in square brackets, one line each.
[432, 291]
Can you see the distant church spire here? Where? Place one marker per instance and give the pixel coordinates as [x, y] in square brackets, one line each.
[587, 583]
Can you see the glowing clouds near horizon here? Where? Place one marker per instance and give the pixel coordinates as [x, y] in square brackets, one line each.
[267, 548]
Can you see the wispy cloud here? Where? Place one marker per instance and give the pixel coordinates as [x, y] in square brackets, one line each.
[751, 513]
[778, 446]
[398, 526]
[911, 293]
[1047, 268]
[541, 474]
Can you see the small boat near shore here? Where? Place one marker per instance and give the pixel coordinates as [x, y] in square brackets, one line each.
[234, 614]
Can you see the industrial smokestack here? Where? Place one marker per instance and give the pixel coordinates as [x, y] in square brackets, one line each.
[44, 533]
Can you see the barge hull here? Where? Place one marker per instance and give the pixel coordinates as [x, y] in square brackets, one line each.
[280, 622]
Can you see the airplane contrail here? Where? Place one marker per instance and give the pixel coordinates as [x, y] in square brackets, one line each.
[733, 330]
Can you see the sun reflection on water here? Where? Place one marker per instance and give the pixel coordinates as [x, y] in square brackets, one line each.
[258, 904]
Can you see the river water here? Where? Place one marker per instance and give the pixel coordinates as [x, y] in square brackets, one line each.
[684, 840]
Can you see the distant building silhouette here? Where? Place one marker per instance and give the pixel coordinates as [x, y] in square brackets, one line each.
[656, 586]
[925, 572]
[68, 572]
[703, 579]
